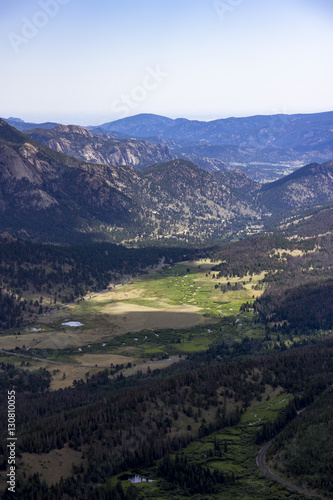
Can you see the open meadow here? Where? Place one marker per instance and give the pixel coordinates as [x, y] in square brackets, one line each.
[178, 310]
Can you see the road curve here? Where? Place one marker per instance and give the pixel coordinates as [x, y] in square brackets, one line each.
[260, 461]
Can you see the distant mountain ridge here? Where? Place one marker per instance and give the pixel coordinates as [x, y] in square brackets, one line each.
[253, 131]
[49, 196]
[22, 125]
[266, 147]
[303, 130]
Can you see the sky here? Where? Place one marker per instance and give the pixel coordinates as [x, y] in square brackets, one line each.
[92, 61]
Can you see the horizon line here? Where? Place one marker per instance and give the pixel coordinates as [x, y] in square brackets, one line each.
[20, 120]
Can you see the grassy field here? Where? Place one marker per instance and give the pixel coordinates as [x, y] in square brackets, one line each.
[51, 466]
[175, 311]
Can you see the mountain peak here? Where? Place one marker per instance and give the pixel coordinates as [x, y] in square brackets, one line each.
[307, 186]
[142, 125]
[13, 119]
[72, 129]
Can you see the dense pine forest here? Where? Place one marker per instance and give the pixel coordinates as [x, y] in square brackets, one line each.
[303, 451]
[133, 423]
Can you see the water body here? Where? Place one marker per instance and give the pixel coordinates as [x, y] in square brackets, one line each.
[135, 478]
[139, 479]
[73, 324]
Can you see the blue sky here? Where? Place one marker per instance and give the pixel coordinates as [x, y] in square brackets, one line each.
[92, 61]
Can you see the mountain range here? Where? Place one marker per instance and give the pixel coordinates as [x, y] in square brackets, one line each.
[80, 143]
[47, 195]
[298, 131]
[266, 147]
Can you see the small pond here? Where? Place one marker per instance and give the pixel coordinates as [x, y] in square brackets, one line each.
[135, 478]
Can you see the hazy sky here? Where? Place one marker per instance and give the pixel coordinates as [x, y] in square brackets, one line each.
[92, 61]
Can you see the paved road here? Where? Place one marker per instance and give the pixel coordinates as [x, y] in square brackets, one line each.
[261, 463]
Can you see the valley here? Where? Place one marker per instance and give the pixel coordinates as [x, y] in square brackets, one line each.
[166, 250]
[182, 302]
[171, 324]
[163, 315]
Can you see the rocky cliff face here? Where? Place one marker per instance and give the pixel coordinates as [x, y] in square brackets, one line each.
[81, 144]
[45, 192]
